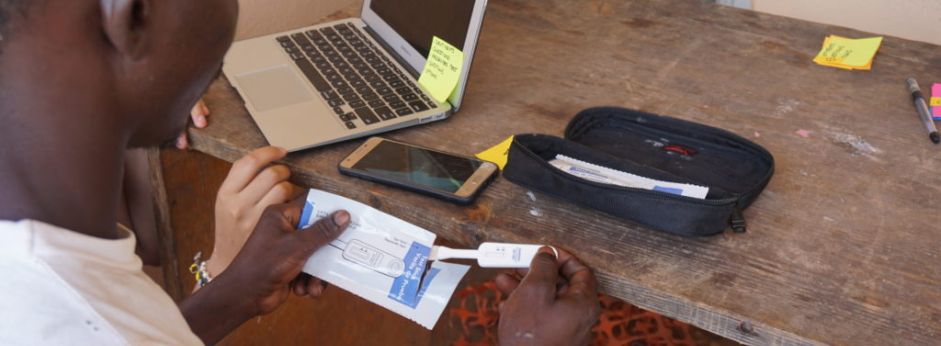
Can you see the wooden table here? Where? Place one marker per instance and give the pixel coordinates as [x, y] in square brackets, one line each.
[843, 245]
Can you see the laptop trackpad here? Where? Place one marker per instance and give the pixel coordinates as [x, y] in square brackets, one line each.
[273, 88]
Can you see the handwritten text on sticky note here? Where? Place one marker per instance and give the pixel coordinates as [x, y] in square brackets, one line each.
[850, 54]
[860, 52]
[443, 69]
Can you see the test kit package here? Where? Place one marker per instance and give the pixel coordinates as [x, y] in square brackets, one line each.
[382, 259]
[669, 174]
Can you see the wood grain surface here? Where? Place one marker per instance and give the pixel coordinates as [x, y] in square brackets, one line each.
[842, 246]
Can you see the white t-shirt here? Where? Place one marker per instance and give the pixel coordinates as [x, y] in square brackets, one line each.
[59, 287]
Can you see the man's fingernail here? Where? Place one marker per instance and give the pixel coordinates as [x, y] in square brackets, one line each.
[282, 150]
[340, 218]
[550, 250]
[203, 108]
[200, 121]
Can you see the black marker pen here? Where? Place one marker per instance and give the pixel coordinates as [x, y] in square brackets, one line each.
[919, 99]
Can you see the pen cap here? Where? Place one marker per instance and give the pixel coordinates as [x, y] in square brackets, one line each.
[913, 86]
[500, 255]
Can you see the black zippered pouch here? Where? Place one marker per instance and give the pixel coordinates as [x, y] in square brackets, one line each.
[734, 169]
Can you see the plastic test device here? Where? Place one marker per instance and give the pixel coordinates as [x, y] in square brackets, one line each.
[370, 257]
[492, 255]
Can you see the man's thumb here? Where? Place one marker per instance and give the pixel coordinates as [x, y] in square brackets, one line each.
[324, 231]
[543, 275]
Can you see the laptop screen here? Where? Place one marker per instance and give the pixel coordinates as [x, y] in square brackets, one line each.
[418, 20]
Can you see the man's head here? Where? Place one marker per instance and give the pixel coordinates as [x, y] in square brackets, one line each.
[137, 64]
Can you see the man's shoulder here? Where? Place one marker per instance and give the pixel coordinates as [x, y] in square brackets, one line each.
[38, 307]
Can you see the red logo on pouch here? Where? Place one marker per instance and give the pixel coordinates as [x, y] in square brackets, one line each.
[679, 149]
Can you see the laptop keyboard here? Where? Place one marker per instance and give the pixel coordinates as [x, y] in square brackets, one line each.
[355, 78]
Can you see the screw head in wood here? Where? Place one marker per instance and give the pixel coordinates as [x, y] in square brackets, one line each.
[746, 327]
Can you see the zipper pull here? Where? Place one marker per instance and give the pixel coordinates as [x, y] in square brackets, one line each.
[737, 221]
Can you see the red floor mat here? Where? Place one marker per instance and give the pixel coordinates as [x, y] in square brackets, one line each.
[476, 315]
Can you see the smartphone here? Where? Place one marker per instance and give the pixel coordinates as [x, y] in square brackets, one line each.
[450, 177]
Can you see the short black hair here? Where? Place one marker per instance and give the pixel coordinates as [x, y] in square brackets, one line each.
[3, 13]
[5, 7]
[9, 8]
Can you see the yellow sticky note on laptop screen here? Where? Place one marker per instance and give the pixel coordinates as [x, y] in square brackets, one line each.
[443, 69]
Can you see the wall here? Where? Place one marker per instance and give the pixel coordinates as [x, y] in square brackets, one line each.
[262, 17]
[918, 20]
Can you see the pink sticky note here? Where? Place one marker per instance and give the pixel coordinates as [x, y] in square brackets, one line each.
[936, 101]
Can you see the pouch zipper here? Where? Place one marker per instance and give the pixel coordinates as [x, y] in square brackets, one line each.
[737, 221]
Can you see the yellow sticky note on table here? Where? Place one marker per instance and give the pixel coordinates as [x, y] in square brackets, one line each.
[862, 51]
[498, 154]
[846, 53]
[442, 70]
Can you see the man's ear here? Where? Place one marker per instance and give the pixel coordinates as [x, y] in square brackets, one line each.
[126, 24]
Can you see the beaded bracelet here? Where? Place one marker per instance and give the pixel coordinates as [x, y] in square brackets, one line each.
[198, 269]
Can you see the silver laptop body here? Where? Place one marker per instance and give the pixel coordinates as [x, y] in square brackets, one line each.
[351, 78]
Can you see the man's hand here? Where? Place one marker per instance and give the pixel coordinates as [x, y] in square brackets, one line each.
[269, 266]
[267, 269]
[555, 303]
[198, 114]
[253, 184]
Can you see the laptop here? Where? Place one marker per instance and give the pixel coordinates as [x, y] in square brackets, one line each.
[355, 77]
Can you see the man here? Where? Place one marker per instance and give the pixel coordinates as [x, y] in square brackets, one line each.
[81, 81]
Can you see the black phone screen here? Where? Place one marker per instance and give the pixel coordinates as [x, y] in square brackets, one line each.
[417, 167]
